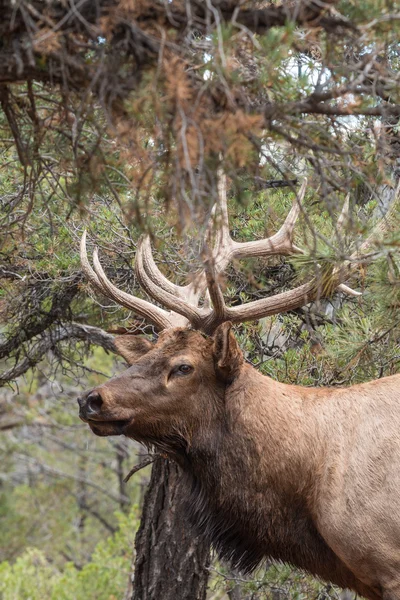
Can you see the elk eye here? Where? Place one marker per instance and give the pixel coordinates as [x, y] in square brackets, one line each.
[184, 369]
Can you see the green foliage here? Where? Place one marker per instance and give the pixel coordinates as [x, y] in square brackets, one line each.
[150, 162]
[266, 584]
[359, 343]
[33, 576]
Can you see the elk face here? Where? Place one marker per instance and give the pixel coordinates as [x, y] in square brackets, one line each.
[170, 389]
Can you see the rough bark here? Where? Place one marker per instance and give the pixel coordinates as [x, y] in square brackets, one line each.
[171, 559]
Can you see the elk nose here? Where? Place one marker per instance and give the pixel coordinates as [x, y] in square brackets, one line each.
[93, 403]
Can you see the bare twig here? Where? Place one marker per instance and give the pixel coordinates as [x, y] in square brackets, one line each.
[147, 461]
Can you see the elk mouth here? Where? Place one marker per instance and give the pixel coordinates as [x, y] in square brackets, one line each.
[107, 427]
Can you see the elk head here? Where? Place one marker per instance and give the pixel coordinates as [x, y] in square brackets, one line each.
[177, 383]
[172, 389]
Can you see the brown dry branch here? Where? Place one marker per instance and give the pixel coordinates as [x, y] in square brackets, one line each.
[86, 79]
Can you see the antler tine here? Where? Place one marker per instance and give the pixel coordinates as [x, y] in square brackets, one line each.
[216, 252]
[221, 252]
[86, 267]
[359, 255]
[345, 289]
[222, 205]
[207, 301]
[344, 214]
[379, 230]
[175, 304]
[99, 280]
[189, 293]
[215, 292]
[154, 314]
[145, 254]
[291, 220]
[218, 223]
[281, 243]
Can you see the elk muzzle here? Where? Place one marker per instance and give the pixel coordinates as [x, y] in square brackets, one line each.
[92, 411]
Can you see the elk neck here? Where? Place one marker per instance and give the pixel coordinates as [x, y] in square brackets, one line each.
[265, 434]
[251, 476]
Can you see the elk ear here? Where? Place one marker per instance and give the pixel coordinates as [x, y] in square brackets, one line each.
[132, 347]
[228, 356]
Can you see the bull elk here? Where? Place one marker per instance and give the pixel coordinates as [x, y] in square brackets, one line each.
[308, 476]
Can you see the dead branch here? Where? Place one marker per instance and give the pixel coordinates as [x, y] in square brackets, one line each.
[144, 463]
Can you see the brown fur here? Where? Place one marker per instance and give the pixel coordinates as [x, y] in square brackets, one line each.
[303, 475]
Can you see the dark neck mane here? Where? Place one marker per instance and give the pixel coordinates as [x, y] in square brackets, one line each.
[246, 526]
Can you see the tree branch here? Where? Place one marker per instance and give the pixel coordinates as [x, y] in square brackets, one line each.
[144, 463]
[32, 46]
[306, 13]
[83, 480]
[50, 339]
[30, 328]
[309, 107]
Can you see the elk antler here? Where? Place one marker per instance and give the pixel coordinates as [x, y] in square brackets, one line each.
[201, 303]
[99, 281]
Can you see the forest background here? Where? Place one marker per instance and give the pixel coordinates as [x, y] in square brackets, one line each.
[116, 116]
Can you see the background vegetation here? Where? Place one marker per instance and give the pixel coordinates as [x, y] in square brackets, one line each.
[117, 119]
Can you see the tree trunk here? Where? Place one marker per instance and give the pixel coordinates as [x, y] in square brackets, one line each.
[171, 559]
